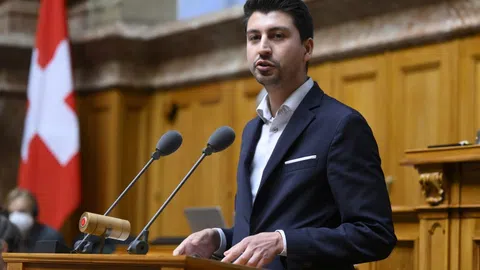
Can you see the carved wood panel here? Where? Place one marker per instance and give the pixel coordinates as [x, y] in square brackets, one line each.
[424, 107]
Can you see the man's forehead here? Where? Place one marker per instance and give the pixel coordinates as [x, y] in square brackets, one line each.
[20, 203]
[264, 21]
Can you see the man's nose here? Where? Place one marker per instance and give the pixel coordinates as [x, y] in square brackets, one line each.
[265, 48]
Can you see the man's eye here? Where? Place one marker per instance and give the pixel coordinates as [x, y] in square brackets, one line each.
[279, 36]
[253, 37]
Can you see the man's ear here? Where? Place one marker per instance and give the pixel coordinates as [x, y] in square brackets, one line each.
[308, 45]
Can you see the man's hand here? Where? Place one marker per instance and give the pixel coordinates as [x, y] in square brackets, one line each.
[202, 244]
[256, 250]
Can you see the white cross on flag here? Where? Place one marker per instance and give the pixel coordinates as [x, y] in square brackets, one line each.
[50, 148]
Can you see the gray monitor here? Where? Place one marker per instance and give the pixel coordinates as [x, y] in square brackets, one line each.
[200, 218]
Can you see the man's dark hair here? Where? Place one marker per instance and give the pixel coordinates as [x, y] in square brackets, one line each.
[295, 8]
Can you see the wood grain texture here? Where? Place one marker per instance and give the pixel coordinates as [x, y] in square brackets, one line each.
[116, 261]
[469, 87]
[442, 155]
[196, 112]
[423, 107]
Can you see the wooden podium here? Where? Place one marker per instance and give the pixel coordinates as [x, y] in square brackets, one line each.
[24, 261]
[449, 212]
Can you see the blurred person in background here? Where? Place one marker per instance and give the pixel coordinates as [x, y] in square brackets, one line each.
[10, 237]
[23, 211]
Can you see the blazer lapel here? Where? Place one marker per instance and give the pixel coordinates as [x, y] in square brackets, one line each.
[252, 135]
[301, 118]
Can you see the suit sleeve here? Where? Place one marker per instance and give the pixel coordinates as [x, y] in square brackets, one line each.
[228, 232]
[358, 186]
[228, 236]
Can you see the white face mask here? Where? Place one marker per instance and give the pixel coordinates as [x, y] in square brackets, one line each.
[23, 221]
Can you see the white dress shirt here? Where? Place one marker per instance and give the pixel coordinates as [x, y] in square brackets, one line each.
[272, 129]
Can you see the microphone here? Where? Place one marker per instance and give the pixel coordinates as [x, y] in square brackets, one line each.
[221, 139]
[167, 144]
[105, 226]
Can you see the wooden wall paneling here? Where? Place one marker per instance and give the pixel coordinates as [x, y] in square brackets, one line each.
[195, 112]
[423, 108]
[470, 189]
[154, 175]
[403, 257]
[322, 74]
[406, 254]
[434, 241]
[469, 88]
[454, 242]
[114, 128]
[100, 150]
[216, 178]
[470, 242]
[136, 151]
[476, 253]
[362, 84]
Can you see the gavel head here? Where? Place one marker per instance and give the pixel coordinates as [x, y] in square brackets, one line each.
[105, 226]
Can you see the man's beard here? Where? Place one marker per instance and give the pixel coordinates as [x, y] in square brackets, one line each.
[266, 80]
[270, 78]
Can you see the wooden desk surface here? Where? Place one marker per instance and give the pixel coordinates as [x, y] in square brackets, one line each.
[38, 261]
[152, 249]
[468, 153]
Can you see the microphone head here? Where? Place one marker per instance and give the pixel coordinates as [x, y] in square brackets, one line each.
[222, 138]
[169, 143]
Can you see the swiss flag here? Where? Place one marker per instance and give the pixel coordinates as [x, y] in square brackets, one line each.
[50, 148]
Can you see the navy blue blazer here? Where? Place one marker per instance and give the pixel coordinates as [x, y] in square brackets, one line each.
[41, 232]
[335, 209]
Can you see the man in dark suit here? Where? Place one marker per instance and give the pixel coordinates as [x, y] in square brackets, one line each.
[310, 189]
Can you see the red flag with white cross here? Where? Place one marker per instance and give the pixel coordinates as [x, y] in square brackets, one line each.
[50, 166]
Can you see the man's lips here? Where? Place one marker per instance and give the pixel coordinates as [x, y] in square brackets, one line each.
[263, 65]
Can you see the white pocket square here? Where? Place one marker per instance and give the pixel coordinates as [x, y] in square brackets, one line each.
[300, 159]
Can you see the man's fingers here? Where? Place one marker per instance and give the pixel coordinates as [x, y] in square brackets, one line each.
[180, 250]
[244, 257]
[233, 253]
[254, 260]
[230, 257]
